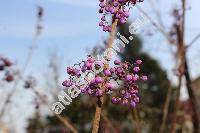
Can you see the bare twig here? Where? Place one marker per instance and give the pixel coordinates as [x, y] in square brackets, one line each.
[182, 58]
[110, 124]
[193, 40]
[96, 122]
[63, 120]
[27, 61]
[149, 109]
[135, 116]
[176, 106]
[159, 28]
[157, 13]
[165, 109]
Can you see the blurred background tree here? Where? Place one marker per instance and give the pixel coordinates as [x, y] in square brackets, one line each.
[153, 94]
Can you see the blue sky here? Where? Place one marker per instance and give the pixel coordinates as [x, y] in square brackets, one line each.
[71, 26]
[68, 28]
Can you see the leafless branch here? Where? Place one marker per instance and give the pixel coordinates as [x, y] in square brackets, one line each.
[157, 13]
[159, 28]
[135, 116]
[193, 40]
[165, 109]
[95, 126]
[63, 120]
[27, 61]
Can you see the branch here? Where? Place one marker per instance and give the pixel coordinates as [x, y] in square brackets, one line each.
[157, 13]
[181, 57]
[176, 106]
[63, 120]
[161, 30]
[14, 88]
[135, 116]
[95, 126]
[193, 40]
[110, 124]
[27, 61]
[165, 109]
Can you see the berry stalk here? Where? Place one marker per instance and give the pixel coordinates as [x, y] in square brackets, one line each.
[97, 117]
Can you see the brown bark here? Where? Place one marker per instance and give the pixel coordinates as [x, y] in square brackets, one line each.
[97, 116]
[193, 99]
[65, 120]
[137, 120]
[165, 109]
[176, 107]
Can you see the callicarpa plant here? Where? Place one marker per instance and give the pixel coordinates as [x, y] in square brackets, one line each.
[115, 9]
[96, 78]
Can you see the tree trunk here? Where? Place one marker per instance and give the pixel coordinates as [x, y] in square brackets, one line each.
[193, 99]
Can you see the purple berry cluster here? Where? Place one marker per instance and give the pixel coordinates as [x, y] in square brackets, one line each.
[30, 82]
[5, 65]
[129, 75]
[119, 81]
[118, 9]
[4, 62]
[10, 73]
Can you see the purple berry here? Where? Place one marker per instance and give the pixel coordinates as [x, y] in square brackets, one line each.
[125, 65]
[90, 91]
[67, 83]
[137, 99]
[135, 77]
[129, 77]
[98, 80]
[125, 102]
[134, 91]
[139, 62]
[99, 92]
[102, 4]
[133, 104]
[101, 24]
[117, 62]
[109, 86]
[136, 69]
[127, 95]
[112, 70]
[122, 20]
[115, 4]
[114, 100]
[107, 72]
[83, 69]
[88, 65]
[83, 90]
[119, 71]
